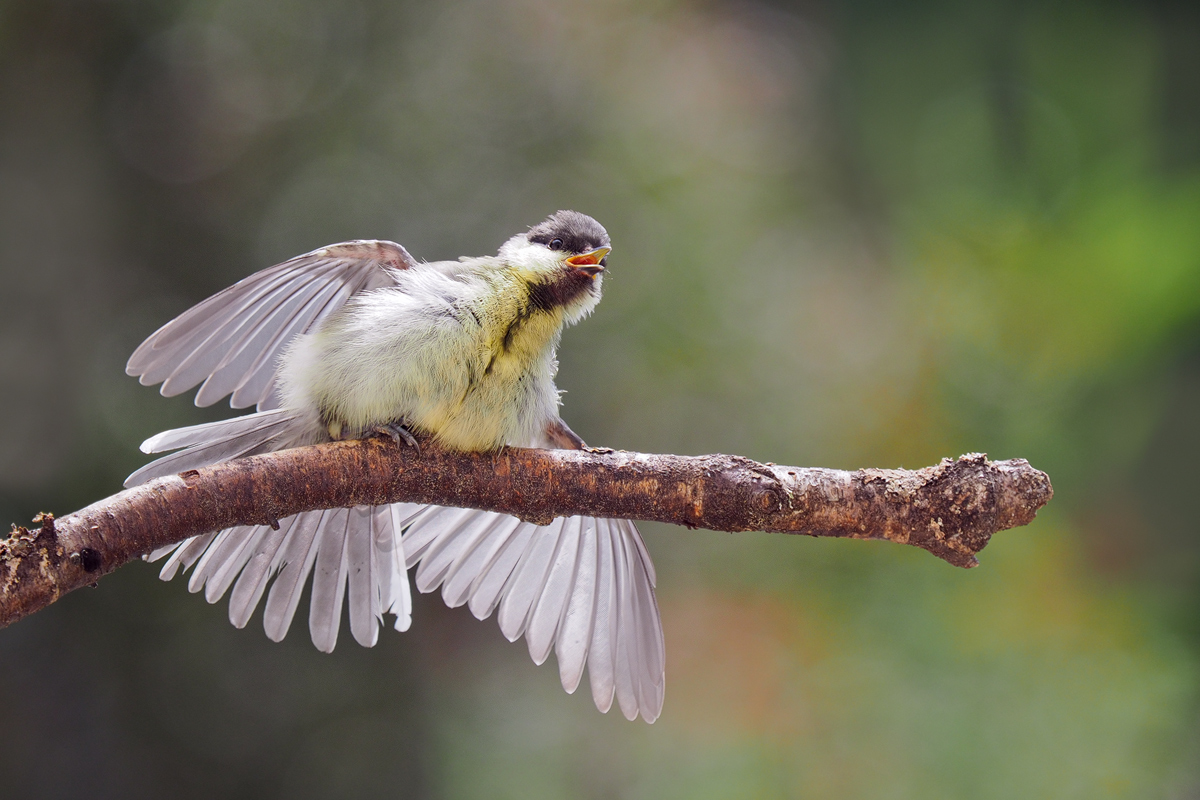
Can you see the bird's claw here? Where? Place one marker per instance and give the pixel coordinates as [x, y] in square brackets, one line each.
[397, 433]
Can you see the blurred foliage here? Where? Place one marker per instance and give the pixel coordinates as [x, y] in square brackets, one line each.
[847, 234]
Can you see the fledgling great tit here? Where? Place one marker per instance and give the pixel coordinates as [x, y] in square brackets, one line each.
[358, 338]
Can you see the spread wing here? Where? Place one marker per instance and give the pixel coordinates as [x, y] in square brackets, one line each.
[231, 342]
[581, 587]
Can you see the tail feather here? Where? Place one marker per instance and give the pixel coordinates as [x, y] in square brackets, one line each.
[197, 457]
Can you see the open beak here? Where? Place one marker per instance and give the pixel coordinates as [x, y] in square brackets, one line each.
[589, 263]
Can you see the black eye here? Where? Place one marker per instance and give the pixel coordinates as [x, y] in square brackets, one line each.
[556, 244]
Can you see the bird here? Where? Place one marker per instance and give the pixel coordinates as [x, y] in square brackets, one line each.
[359, 339]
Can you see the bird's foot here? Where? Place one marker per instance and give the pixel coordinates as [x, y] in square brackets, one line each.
[397, 433]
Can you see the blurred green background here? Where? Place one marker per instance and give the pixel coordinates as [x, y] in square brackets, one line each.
[847, 234]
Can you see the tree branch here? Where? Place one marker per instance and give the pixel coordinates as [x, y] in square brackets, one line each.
[951, 509]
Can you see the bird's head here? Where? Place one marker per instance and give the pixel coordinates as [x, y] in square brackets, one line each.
[563, 259]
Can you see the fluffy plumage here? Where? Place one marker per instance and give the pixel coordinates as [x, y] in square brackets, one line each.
[350, 337]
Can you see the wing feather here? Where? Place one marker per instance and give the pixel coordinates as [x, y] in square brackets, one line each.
[207, 561]
[447, 562]
[575, 634]
[232, 341]
[548, 608]
[192, 326]
[213, 350]
[424, 528]
[647, 624]
[260, 379]
[494, 577]
[651, 652]
[239, 552]
[152, 360]
[466, 573]
[528, 580]
[265, 562]
[329, 580]
[362, 573]
[184, 555]
[455, 528]
[601, 662]
[252, 347]
[299, 554]
[396, 597]
[581, 586]
[626, 634]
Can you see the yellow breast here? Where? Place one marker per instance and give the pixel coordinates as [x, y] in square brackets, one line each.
[514, 344]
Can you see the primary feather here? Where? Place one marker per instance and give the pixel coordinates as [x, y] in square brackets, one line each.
[338, 341]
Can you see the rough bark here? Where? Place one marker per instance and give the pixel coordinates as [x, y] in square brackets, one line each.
[951, 509]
